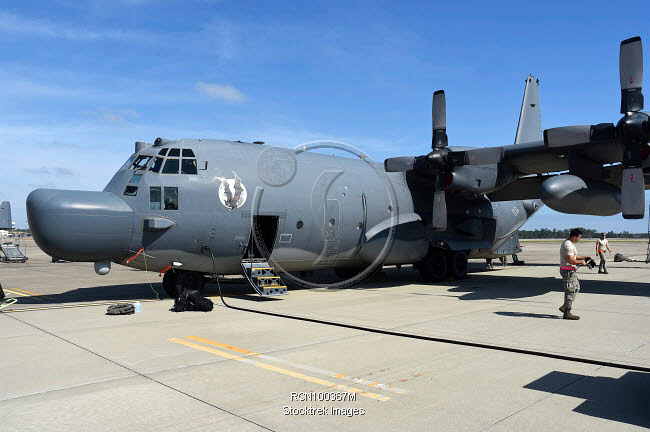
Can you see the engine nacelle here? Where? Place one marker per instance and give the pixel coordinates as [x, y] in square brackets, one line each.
[480, 179]
[574, 195]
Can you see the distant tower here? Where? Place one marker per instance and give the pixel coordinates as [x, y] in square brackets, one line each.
[5, 216]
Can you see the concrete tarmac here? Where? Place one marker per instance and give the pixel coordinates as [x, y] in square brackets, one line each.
[65, 365]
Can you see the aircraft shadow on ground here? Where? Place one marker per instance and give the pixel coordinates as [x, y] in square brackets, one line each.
[478, 286]
[625, 399]
[132, 292]
[486, 286]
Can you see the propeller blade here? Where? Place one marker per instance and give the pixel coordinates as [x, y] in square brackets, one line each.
[633, 193]
[439, 216]
[631, 74]
[567, 136]
[399, 164]
[439, 120]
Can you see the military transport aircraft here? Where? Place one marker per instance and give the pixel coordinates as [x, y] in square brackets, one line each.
[191, 208]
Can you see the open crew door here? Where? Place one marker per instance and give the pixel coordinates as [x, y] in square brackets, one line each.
[261, 276]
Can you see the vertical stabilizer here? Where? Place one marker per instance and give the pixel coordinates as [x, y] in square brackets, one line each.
[5, 216]
[530, 117]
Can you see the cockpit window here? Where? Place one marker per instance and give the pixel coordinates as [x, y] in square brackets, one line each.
[131, 191]
[154, 198]
[171, 198]
[155, 167]
[188, 166]
[163, 152]
[171, 166]
[174, 152]
[141, 162]
[128, 163]
[188, 153]
[135, 179]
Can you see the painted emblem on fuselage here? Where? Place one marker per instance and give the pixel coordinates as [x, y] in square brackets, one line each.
[232, 192]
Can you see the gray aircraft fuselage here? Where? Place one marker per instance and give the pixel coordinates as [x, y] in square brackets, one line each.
[171, 217]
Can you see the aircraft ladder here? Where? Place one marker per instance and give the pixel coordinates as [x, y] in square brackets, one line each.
[263, 278]
[11, 252]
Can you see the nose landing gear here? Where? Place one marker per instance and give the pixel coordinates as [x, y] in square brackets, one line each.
[176, 280]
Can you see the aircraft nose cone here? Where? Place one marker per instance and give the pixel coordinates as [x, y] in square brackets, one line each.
[80, 225]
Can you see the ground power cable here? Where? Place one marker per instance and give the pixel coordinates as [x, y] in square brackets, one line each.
[570, 358]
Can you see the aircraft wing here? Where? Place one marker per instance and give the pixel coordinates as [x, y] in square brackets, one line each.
[607, 165]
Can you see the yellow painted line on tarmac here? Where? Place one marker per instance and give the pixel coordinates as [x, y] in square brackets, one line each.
[301, 366]
[17, 293]
[29, 293]
[280, 370]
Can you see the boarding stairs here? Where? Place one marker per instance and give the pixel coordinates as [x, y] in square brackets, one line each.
[263, 278]
[11, 253]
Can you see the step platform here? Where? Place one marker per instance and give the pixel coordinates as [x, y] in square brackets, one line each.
[263, 278]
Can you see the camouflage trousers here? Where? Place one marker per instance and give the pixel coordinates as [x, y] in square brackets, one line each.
[603, 262]
[571, 286]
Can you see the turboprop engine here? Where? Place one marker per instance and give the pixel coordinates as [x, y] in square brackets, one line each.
[574, 195]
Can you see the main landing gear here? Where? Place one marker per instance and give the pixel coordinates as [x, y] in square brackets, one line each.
[175, 280]
[439, 264]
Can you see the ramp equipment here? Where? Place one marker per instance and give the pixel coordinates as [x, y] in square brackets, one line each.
[263, 278]
[11, 253]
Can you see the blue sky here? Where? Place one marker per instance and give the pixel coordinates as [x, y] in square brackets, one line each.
[80, 82]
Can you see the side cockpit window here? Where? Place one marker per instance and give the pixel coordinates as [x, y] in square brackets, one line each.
[132, 188]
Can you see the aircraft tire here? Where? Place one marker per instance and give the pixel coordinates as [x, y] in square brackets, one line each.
[458, 264]
[169, 283]
[433, 268]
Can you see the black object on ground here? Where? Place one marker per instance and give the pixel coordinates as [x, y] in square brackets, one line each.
[620, 257]
[120, 309]
[191, 301]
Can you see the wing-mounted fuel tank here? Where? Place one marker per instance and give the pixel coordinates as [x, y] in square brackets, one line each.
[575, 195]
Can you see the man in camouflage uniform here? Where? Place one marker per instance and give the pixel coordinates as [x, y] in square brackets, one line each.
[569, 258]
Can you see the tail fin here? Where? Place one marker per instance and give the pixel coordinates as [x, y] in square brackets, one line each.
[530, 117]
[5, 215]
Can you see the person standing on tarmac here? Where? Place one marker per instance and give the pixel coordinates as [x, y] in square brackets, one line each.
[601, 244]
[569, 258]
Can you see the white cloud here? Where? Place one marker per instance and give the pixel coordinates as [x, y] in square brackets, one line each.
[18, 25]
[227, 93]
[120, 117]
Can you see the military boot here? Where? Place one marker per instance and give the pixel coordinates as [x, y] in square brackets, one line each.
[562, 308]
[568, 315]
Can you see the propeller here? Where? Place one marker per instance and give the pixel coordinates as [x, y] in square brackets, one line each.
[632, 131]
[441, 161]
[633, 127]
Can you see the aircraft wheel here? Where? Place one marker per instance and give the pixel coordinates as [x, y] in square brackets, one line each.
[458, 265]
[433, 268]
[169, 283]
